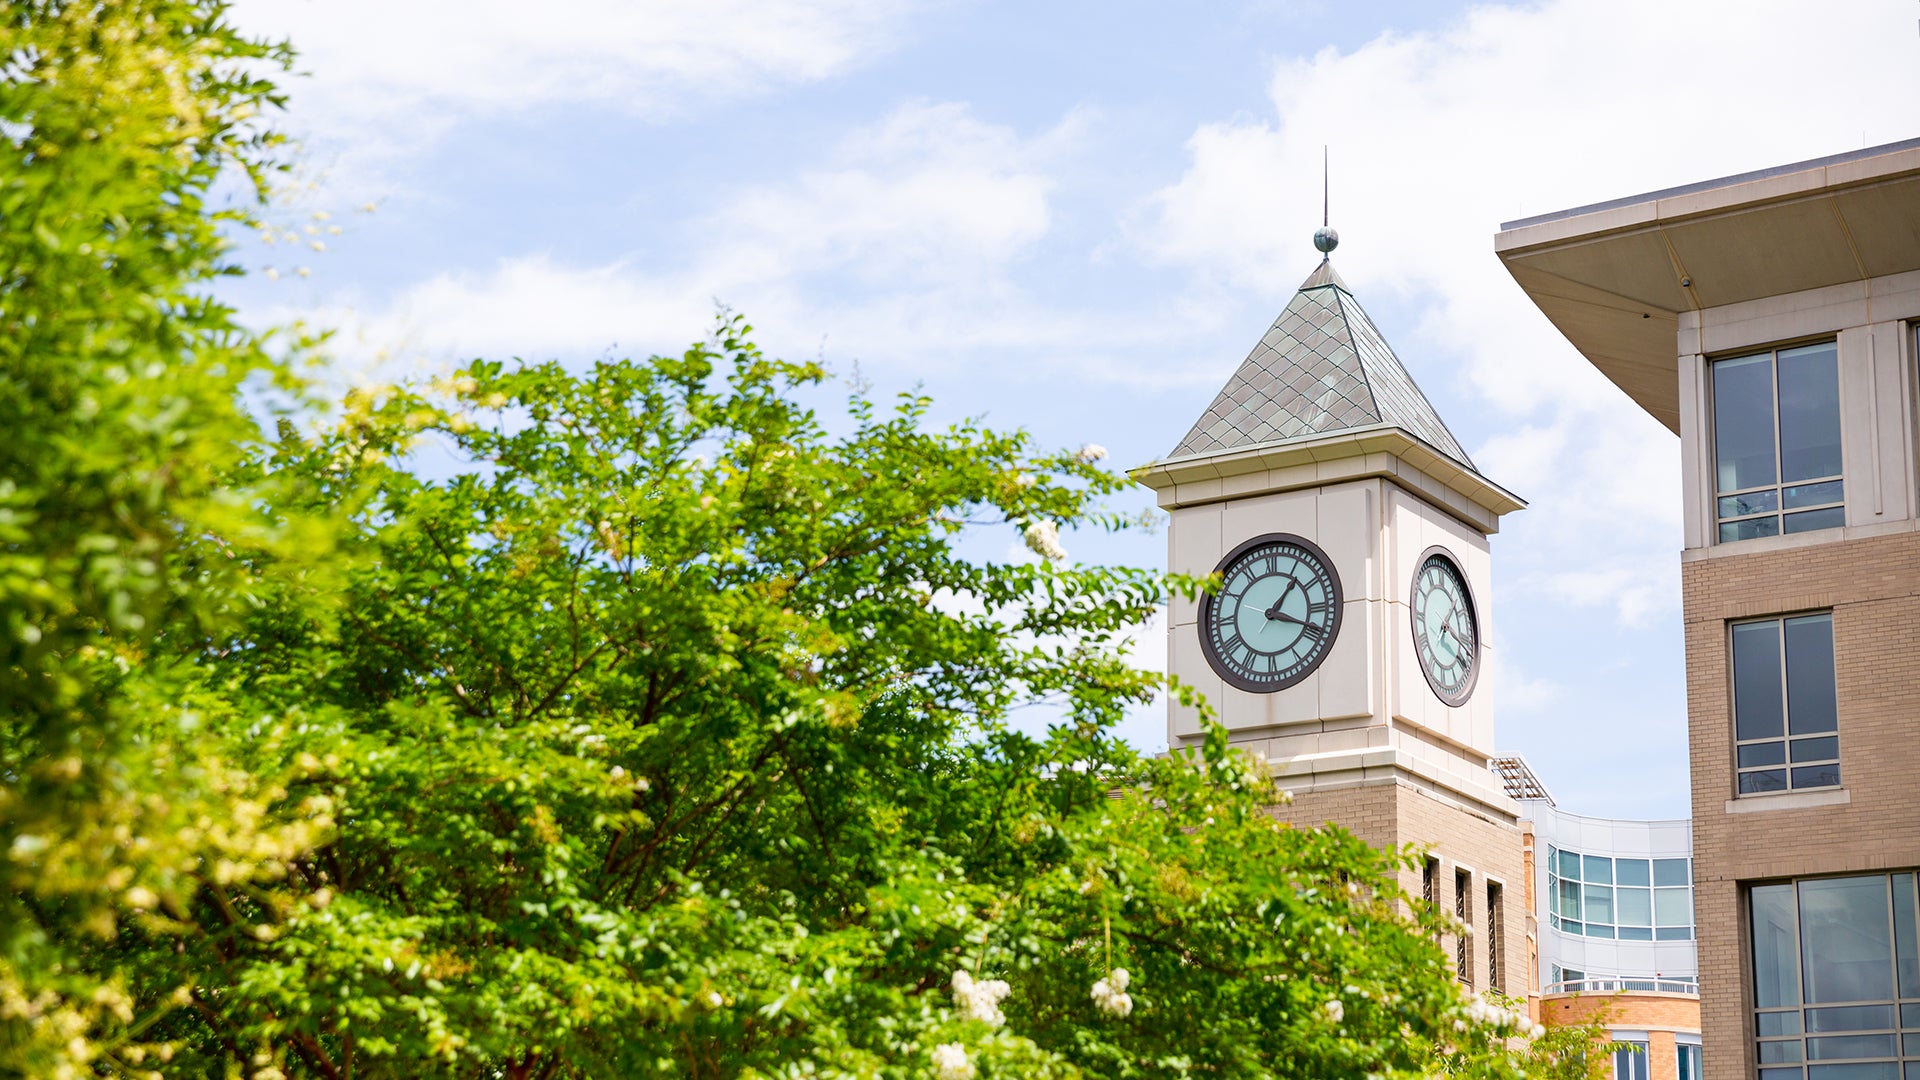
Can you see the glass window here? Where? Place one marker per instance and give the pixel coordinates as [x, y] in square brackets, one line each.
[1585, 899]
[1673, 907]
[1829, 959]
[1689, 1064]
[1776, 442]
[1671, 872]
[1785, 713]
[1630, 1061]
[1633, 907]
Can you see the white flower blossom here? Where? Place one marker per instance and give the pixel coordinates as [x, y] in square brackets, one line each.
[1110, 996]
[1043, 537]
[1092, 452]
[1335, 1009]
[980, 1000]
[950, 1062]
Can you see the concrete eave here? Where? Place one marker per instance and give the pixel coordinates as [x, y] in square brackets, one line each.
[1615, 277]
[1382, 450]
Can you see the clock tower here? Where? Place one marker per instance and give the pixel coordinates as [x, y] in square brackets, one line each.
[1348, 640]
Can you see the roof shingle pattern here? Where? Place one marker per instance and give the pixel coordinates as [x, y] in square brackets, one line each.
[1321, 367]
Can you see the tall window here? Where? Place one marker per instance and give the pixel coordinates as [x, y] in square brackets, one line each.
[1627, 899]
[1776, 442]
[1630, 1061]
[1463, 910]
[1785, 719]
[1833, 959]
[1689, 1063]
[1496, 942]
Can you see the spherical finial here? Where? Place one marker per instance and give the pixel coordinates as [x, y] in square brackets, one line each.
[1326, 239]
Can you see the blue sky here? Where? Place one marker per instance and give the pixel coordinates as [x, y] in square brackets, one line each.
[1077, 218]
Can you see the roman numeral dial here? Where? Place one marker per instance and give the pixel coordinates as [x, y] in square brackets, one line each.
[1446, 627]
[1275, 616]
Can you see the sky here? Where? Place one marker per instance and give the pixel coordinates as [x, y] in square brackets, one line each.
[1077, 218]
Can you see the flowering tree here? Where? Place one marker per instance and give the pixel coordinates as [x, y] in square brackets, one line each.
[667, 732]
[661, 728]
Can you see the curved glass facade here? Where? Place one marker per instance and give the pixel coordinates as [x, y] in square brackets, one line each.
[1615, 903]
[1630, 899]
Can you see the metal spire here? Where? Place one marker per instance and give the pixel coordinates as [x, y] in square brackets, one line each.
[1325, 238]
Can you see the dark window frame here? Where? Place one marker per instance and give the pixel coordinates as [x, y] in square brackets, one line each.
[1776, 763]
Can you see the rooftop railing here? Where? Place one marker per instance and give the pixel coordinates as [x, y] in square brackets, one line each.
[1613, 986]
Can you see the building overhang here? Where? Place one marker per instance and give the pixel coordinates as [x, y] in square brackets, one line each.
[1615, 277]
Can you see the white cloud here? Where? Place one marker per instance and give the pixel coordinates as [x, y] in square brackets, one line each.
[389, 79]
[646, 56]
[909, 232]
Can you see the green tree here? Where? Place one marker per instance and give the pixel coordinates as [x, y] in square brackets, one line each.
[661, 729]
[125, 538]
[669, 736]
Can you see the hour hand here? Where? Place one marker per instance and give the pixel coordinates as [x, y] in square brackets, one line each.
[1274, 611]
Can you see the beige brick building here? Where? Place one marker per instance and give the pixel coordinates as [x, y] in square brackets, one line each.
[1769, 319]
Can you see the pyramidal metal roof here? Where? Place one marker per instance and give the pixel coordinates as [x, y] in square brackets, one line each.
[1322, 367]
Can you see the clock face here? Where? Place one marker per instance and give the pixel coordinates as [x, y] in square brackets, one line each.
[1446, 628]
[1275, 616]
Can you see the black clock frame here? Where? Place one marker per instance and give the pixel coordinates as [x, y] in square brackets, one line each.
[1233, 678]
[1459, 697]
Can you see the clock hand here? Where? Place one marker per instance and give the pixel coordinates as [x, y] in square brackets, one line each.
[1274, 611]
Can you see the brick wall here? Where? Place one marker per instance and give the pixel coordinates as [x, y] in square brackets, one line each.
[1631, 1013]
[1872, 586]
[1486, 846]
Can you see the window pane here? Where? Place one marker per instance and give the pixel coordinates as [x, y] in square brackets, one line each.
[1743, 422]
[1636, 907]
[1596, 930]
[1635, 933]
[1766, 753]
[1808, 520]
[1749, 529]
[1673, 933]
[1569, 898]
[1851, 1018]
[1802, 495]
[1822, 748]
[1753, 502]
[1904, 949]
[1671, 872]
[1771, 1052]
[1779, 1023]
[1600, 869]
[1809, 412]
[1570, 865]
[1850, 1046]
[1631, 871]
[1756, 680]
[1810, 701]
[1880, 1070]
[1599, 904]
[1759, 783]
[1811, 776]
[1673, 907]
[1776, 966]
[1846, 948]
